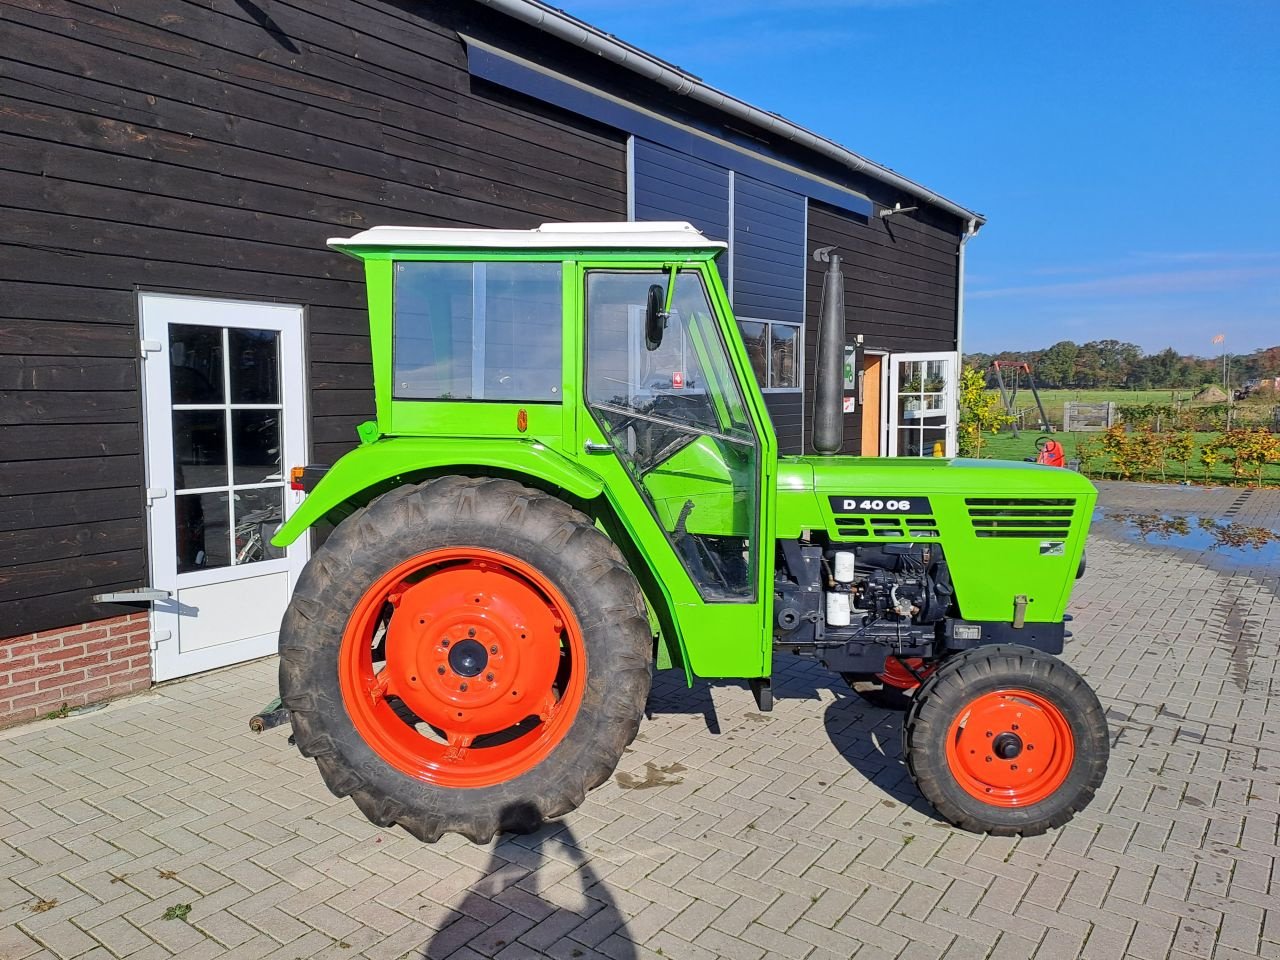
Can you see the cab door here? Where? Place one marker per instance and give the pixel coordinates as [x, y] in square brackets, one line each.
[676, 428]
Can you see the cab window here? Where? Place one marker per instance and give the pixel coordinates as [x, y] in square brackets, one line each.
[477, 331]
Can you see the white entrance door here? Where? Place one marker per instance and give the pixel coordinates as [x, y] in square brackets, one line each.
[923, 404]
[225, 420]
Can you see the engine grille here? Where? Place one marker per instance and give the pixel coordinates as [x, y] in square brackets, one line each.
[888, 528]
[1021, 517]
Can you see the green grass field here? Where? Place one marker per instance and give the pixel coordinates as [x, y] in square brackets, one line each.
[1004, 446]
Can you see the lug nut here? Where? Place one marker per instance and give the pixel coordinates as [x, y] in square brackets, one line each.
[471, 632]
[462, 687]
[440, 670]
[489, 677]
[445, 643]
[494, 648]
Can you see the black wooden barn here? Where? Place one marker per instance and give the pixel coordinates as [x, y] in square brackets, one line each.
[169, 172]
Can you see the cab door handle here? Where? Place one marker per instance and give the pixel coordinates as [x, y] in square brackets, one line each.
[592, 447]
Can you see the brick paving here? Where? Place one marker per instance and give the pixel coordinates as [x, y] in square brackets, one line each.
[161, 827]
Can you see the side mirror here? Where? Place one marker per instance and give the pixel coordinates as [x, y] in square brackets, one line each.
[655, 317]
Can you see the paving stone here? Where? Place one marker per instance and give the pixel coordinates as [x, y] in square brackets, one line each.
[792, 834]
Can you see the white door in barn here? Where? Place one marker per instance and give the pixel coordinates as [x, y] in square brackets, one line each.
[225, 420]
[923, 404]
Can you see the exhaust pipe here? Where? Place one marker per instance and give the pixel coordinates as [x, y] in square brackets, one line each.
[828, 381]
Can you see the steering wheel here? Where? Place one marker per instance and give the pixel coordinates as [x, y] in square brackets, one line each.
[1042, 441]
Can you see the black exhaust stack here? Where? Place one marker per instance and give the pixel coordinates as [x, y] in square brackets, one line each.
[828, 381]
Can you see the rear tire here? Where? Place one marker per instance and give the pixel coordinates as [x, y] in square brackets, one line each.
[1006, 740]
[483, 718]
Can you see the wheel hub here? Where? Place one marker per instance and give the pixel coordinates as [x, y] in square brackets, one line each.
[1006, 745]
[472, 649]
[468, 658]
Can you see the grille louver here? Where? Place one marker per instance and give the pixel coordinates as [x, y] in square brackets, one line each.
[1031, 518]
[874, 527]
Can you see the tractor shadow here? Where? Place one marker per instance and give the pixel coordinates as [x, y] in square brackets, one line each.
[867, 737]
[512, 908]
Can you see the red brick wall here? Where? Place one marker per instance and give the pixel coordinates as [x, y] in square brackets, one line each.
[39, 672]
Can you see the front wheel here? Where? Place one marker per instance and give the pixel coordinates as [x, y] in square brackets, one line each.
[467, 655]
[1006, 740]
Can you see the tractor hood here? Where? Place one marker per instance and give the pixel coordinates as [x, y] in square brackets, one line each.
[813, 490]
[1009, 529]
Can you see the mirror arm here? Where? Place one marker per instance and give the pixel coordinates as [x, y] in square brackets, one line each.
[671, 290]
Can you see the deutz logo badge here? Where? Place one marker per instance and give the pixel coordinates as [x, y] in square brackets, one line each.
[1052, 548]
[880, 503]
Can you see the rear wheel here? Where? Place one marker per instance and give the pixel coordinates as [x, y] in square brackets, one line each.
[1006, 740]
[465, 655]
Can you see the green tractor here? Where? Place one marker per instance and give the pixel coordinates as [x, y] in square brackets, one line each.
[572, 479]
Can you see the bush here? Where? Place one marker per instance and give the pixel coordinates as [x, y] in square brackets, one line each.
[1250, 449]
[979, 411]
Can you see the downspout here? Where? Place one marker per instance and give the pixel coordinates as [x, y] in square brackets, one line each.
[971, 230]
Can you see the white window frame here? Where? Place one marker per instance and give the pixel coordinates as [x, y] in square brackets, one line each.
[951, 395]
[768, 359]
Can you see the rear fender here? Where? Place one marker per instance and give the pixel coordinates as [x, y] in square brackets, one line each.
[373, 467]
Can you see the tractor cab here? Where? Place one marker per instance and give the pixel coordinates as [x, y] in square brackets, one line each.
[594, 360]
[572, 478]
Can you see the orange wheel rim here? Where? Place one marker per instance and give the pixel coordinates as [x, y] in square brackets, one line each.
[1010, 748]
[904, 673]
[462, 667]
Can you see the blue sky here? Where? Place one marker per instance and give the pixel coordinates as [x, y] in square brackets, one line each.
[1126, 153]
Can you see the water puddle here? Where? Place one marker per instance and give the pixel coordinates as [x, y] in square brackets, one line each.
[654, 776]
[1227, 538]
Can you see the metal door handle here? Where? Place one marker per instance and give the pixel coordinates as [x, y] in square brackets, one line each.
[592, 447]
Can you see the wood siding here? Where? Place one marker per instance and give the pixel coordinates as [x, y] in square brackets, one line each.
[768, 251]
[211, 149]
[785, 411]
[900, 288]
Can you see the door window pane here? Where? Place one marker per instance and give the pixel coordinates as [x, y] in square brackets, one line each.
[755, 336]
[677, 421]
[255, 365]
[255, 446]
[201, 531]
[784, 357]
[199, 449]
[258, 513]
[933, 442]
[478, 331]
[195, 363]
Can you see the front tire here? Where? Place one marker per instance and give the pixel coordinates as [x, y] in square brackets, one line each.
[1006, 740]
[467, 655]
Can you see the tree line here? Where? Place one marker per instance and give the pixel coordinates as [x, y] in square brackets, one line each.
[1114, 364]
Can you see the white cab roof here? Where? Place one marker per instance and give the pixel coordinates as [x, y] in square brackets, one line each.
[665, 235]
